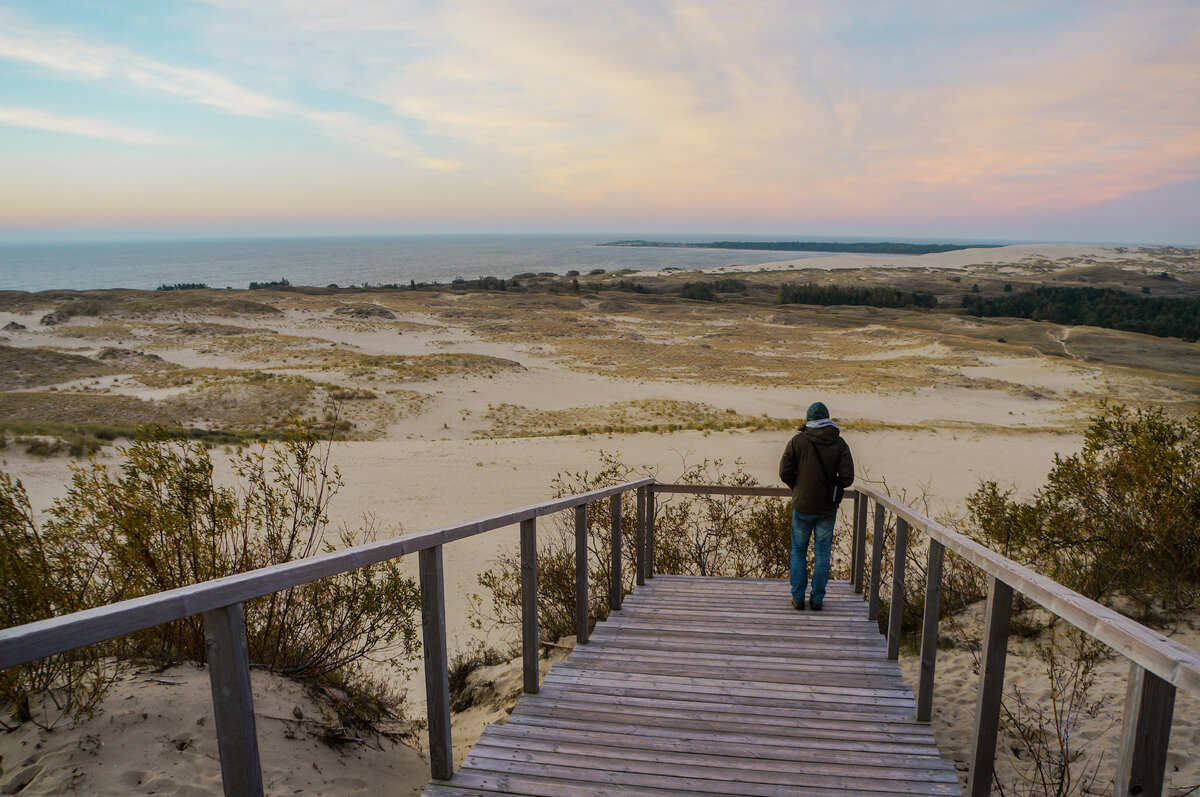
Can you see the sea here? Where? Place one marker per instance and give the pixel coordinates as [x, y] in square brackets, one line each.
[356, 260]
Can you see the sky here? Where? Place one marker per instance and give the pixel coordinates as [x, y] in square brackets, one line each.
[1046, 120]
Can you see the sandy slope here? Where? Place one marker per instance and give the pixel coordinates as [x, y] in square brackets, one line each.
[155, 736]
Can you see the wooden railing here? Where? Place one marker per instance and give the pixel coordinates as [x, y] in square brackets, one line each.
[219, 602]
[1158, 665]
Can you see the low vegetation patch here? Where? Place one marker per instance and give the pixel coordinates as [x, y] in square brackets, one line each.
[643, 415]
[432, 366]
[879, 296]
[158, 522]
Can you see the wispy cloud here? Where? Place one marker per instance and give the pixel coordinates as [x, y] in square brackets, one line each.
[34, 119]
[684, 112]
[96, 62]
[809, 109]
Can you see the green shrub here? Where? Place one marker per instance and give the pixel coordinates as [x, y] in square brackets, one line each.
[1121, 518]
[700, 291]
[43, 576]
[159, 521]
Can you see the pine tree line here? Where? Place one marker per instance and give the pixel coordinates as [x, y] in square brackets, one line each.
[1097, 307]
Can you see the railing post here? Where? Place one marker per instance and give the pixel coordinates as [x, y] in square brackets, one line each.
[616, 587]
[896, 610]
[991, 688]
[437, 683]
[650, 531]
[233, 700]
[860, 541]
[1145, 734]
[529, 606]
[858, 498]
[876, 563]
[581, 575]
[641, 536]
[929, 630]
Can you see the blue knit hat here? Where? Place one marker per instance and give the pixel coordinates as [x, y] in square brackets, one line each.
[817, 411]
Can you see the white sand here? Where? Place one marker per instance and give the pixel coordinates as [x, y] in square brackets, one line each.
[156, 736]
[959, 258]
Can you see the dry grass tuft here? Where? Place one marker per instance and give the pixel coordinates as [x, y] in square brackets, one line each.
[645, 415]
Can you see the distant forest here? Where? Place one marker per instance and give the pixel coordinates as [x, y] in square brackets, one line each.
[884, 248]
[1097, 307]
[812, 293]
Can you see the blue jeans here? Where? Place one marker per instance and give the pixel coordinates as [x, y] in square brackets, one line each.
[803, 527]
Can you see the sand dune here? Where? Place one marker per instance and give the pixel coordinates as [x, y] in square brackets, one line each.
[924, 411]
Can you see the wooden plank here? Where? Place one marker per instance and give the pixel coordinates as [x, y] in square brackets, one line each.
[774, 618]
[799, 713]
[856, 648]
[582, 619]
[616, 588]
[761, 675]
[618, 621]
[754, 743]
[704, 769]
[733, 766]
[680, 714]
[896, 609]
[929, 630]
[876, 564]
[991, 688]
[784, 652]
[530, 649]
[1145, 735]
[25, 643]
[735, 657]
[437, 682]
[754, 748]
[729, 654]
[715, 688]
[233, 701]
[632, 777]
[556, 782]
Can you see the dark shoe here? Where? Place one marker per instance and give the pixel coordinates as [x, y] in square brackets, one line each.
[816, 607]
[797, 605]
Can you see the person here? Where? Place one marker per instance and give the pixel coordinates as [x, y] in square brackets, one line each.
[814, 459]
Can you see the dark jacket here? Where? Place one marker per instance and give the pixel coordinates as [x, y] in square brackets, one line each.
[800, 469]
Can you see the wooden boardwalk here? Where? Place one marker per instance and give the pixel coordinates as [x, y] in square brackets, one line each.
[706, 686]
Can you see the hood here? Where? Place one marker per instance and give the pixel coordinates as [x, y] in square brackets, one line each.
[826, 435]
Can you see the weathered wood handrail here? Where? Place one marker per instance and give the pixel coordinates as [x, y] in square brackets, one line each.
[220, 602]
[1159, 665]
[1175, 663]
[25, 643]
